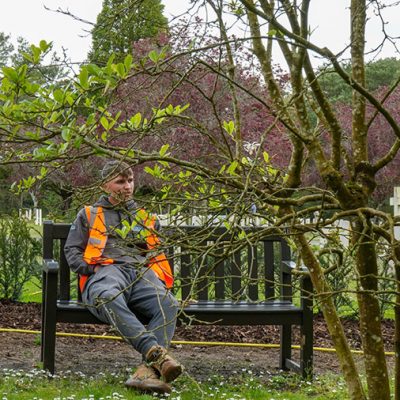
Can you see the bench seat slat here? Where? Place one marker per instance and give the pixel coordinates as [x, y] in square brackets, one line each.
[218, 312]
[226, 306]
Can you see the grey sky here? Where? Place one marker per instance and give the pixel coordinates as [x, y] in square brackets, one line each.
[29, 19]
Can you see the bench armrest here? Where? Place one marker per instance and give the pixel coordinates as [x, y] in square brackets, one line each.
[50, 266]
[288, 267]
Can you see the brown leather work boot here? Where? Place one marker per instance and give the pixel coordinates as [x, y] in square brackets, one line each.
[158, 358]
[145, 379]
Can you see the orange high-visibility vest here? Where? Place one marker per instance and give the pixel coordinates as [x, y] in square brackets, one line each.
[93, 253]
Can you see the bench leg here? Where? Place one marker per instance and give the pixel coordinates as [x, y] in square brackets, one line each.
[48, 333]
[43, 308]
[286, 345]
[306, 351]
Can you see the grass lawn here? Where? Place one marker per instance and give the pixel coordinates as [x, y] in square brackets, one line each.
[32, 291]
[36, 384]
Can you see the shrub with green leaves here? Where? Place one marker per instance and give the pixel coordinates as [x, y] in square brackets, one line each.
[19, 256]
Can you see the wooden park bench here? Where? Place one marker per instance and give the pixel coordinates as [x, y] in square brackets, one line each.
[251, 286]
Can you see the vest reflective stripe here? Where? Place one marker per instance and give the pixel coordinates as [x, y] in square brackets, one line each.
[98, 239]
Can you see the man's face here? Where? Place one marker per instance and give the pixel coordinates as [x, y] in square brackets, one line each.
[120, 188]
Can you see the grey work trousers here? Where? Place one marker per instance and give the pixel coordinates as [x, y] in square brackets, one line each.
[135, 302]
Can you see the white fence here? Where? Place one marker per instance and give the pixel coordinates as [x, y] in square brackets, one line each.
[30, 214]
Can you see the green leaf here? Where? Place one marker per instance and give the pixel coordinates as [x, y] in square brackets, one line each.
[163, 150]
[70, 99]
[27, 56]
[110, 61]
[126, 224]
[107, 86]
[99, 152]
[22, 72]
[156, 171]
[28, 182]
[10, 73]
[272, 171]
[242, 235]
[128, 153]
[164, 163]
[77, 142]
[245, 161]
[63, 147]
[43, 172]
[44, 46]
[227, 224]
[136, 120]
[32, 135]
[149, 170]
[128, 62]
[229, 127]
[91, 119]
[266, 157]
[58, 95]
[36, 53]
[54, 116]
[83, 78]
[164, 52]
[66, 134]
[214, 203]
[93, 69]
[179, 109]
[159, 114]
[154, 56]
[104, 122]
[232, 167]
[121, 70]
[124, 231]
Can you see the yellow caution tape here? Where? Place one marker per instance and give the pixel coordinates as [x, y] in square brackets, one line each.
[183, 342]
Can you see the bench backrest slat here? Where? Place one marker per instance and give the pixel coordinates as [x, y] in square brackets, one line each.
[236, 276]
[48, 240]
[65, 275]
[202, 272]
[286, 280]
[220, 266]
[185, 276]
[252, 265]
[269, 270]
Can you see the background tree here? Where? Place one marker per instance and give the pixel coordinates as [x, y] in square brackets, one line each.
[53, 72]
[208, 99]
[6, 49]
[123, 22]
[379, 73]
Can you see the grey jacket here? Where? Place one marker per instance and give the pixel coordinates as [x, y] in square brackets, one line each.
[130, 250]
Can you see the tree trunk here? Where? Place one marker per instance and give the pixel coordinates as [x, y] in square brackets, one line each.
[370, 321]
[34, 199]
[333, 322]
[397, 339]
[397, 331]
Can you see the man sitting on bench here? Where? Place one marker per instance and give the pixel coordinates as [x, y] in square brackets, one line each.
[123, 280]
